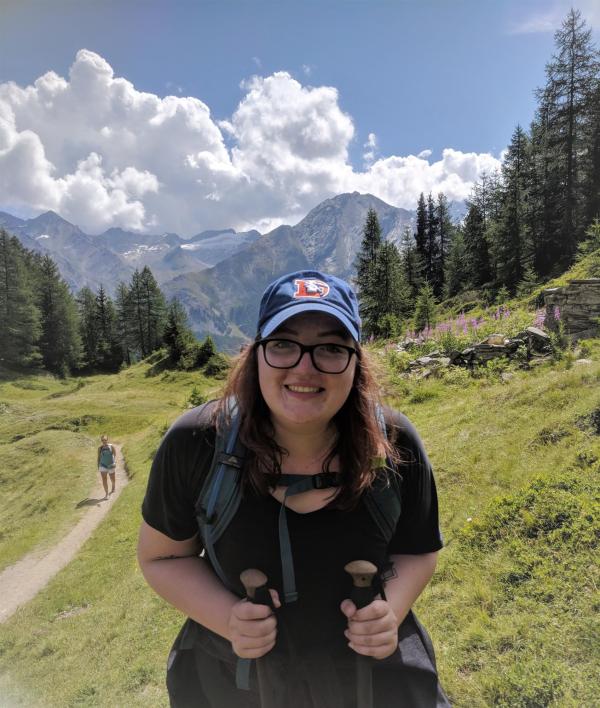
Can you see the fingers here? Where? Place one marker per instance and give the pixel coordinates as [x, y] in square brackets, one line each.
[372, 630]
[245, 610]
[275, 598]
[253, 629]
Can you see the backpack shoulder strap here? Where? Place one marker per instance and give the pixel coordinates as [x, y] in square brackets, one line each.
[221, 493]
[383, 498]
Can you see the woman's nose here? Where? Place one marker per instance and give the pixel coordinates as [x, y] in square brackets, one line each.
[305, 363]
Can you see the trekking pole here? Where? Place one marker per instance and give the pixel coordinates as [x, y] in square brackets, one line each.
[362, 573]
[257, 592]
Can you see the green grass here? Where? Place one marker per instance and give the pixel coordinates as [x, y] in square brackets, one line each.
[511, 609]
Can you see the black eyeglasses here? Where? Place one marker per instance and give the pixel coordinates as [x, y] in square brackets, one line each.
[328, 358]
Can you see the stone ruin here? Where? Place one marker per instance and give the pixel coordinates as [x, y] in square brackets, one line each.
[533, 343]
[577, 306]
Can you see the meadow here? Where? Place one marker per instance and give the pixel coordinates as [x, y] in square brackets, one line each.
[512, 608]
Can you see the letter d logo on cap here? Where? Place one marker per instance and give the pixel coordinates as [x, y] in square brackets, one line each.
[310, 287]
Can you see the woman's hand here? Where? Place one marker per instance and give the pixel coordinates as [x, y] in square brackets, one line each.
[372, 630]
[253, 628]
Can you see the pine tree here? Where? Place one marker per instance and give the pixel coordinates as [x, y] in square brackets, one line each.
[368, 290]
[125, 323]
[86, 302]
[425, 310]
[477, 260]
[432, 251]
[177, 333]
[155, 308]
[109, 349]
[412, 266]
[392, 288]
[19, 316]
[445, 233]
[512, 250]
[60, 343]
[456, 275]
[571, 77]
[421, 235]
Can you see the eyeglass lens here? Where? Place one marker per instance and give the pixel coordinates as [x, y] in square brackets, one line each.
[328, 358]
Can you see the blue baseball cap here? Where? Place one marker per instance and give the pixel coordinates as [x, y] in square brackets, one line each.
[308, 291]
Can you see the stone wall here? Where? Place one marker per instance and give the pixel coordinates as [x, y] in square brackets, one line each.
[579, 307]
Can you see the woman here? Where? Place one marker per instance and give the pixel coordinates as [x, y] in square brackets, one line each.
[107, 463]
[307, 406]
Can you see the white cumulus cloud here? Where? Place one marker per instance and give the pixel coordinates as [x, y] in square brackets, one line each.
[101, 153]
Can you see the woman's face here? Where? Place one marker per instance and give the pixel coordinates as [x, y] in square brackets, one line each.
[304, 395]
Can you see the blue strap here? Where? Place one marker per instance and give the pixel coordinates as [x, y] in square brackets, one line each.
[296, 484]
[242, 673]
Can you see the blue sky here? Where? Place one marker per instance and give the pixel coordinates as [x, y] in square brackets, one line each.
[408, 77]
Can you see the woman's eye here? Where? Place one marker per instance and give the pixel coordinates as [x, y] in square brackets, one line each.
[281, 345]
[332, 349]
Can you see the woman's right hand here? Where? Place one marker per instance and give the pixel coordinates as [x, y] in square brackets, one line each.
[253, 628]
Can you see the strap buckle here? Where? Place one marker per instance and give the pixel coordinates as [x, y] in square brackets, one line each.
[325, 480]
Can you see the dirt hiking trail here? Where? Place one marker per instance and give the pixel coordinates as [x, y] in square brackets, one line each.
[20, 582]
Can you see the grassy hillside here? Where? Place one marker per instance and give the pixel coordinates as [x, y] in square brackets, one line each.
[512, 608]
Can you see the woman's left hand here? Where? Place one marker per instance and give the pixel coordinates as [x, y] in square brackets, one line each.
[372, 630]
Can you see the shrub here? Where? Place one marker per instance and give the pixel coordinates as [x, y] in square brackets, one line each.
[196, 398]
[217, 366]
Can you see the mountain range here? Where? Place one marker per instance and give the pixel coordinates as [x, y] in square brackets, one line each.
[218, 275]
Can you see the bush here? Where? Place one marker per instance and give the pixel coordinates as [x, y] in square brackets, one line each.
[205, 352]
[217, 366]
[196, 398]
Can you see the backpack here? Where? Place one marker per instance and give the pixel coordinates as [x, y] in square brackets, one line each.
[221, 492]
[412, 668]
[107, 458]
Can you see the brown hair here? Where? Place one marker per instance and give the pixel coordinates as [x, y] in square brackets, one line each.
[361, 444]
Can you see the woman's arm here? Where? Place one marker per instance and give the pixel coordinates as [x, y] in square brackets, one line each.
[413, 572]
[373, 630]
[176, 573]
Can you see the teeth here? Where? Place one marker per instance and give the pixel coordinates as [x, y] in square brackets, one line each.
[304, 389]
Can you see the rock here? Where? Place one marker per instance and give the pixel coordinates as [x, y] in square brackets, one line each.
[495, 339]
[506, 376]
[583, 362]
[538, 333]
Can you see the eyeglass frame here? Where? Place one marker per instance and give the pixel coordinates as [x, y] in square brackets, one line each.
[310, 348]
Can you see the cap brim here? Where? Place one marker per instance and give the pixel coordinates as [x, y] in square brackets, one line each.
[277, 320]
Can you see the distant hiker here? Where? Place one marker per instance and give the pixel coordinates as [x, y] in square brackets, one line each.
[297, 471]
[107, 462]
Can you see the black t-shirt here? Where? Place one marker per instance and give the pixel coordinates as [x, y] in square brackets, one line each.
[322, 541]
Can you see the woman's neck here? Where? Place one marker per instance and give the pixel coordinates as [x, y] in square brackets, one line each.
[307, 444]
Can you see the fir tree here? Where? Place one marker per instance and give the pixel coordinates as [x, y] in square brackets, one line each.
[571, 77]
[512, 251]
[392, 288]
[109, 353]
[425, 309]
[19, 316]
[456, 275]
[432, 251]
[421, 235]
[445, 233]
[86, 302]
[177, 333]
[60, 343]
[477, 259]
[366, 276]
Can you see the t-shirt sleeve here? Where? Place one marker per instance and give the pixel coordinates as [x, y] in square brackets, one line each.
[418, 528]
[178, 469]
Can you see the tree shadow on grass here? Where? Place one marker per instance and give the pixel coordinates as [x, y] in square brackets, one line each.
[90, 502]
[159, 367]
